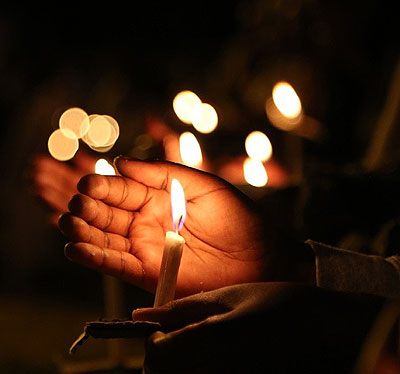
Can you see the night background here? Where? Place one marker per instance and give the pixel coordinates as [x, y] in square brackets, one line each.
[129, 63]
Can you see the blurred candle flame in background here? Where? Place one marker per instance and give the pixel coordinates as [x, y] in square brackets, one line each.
[254, 172]
[286, 100]
[185, 104]
[284, 108]
[102, 134]
[258, 146]
[63, 144]
[99, 132]
[75, 120]
[191, 110]
[190, 150]
[103, 167]
[205, 118]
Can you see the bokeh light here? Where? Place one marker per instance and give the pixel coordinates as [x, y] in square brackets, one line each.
[205, 118]
[103, 133]
[258, 146]
[184, 104]
[103, 167]
[63, 144]
[99, 132]
[279, 120]
[286, 100]
[190, 150]
[255, 173]
[75, 120]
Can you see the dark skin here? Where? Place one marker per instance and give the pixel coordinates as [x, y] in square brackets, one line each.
[117, 225]
[260, 328]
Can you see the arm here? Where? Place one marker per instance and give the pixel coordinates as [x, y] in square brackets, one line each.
[260, 327]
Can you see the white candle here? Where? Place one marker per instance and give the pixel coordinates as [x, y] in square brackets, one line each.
[173, 247]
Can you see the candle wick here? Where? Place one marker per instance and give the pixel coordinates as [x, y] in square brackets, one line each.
[179, 224]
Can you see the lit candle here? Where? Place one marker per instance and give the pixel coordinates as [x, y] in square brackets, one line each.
[173, 247]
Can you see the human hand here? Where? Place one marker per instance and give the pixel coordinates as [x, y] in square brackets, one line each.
[118, 226]
[55, 181]
[258, 328]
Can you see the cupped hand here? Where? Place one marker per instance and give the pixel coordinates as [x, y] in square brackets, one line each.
[118, 225]
[55, 182]
[258, 328]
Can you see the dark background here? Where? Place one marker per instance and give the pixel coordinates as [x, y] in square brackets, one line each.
[130, 62]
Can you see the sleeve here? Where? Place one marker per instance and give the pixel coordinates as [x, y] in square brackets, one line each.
[342, 270]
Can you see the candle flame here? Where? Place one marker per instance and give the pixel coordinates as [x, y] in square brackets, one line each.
[178, 205]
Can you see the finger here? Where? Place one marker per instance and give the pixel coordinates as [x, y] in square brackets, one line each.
[78, 230]
[48, 180]
[56, 200]
[182, 312]
[85, 162]
[101, 215]
[57, 169]
[159, 174]
[120, 264]
[117, 191]
[53, 219]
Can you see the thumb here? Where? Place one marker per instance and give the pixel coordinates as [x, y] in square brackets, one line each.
[151, 174]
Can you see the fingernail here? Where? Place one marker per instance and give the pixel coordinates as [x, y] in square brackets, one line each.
[137, 314]
[66, 249]
[120, 157]
[158, 337]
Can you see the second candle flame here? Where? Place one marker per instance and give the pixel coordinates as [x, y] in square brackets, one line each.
[178, 205]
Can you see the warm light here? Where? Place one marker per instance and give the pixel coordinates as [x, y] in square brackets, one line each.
[190, 150]
[103, 133]
[75, 120]
[103, 167]
[255, 173]
[63, 145]
[258, 146]
[99, 133]
[114, 128]
[178, 205]
[205, 118]
[184, 104]
[286, 100]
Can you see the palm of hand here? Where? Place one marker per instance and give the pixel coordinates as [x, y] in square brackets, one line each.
[223, 243]
[223, 236]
